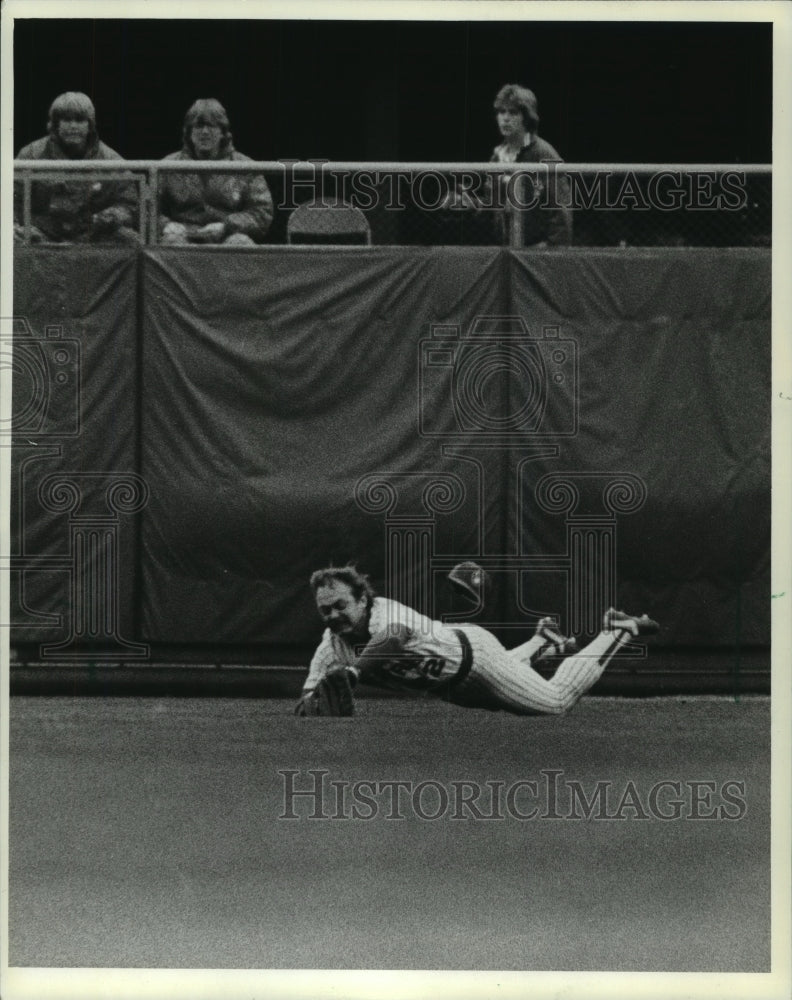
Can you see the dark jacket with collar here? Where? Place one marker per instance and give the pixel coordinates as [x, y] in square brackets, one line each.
[551, 224]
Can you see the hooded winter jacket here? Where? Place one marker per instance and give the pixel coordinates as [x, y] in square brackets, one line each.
[242, 201]
[63, 209]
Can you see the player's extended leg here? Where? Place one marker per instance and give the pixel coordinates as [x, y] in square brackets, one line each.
[576, 674]
[498, 680]
[547, 641]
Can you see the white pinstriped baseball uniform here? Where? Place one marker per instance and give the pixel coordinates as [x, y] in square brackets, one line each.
[467, 665]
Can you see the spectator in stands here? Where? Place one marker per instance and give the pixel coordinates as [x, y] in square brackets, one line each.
[74, 210]
[234, 209]
[517, 115]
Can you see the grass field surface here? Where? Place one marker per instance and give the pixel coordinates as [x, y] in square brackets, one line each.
[166, 833]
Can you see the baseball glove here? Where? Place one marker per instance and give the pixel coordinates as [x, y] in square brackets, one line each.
[331, 696]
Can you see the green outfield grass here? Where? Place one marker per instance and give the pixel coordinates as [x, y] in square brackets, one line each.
[146, 832]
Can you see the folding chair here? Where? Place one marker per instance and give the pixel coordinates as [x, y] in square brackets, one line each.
[328, 223]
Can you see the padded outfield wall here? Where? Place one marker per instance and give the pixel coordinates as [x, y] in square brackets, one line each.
[199, 428]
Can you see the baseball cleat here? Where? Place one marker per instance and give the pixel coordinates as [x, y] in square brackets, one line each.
[469, 579]
[557, 644]
[615, 621]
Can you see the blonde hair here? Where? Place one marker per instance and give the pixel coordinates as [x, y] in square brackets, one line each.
[207, 110]
[72, 104]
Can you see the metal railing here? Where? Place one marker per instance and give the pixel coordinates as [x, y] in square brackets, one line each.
[612, 204]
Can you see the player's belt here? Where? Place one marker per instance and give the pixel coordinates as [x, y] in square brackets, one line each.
[467, 659]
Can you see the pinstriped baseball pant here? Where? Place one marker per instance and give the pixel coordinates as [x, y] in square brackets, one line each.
[500, 680]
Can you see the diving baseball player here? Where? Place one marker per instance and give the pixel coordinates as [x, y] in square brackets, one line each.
[374, 640]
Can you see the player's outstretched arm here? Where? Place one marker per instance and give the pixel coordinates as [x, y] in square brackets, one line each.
[332, 692]
[371, 664]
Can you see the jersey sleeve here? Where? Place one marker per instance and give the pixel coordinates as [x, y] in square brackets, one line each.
[331, 654]
[387, 614]
[323, 660]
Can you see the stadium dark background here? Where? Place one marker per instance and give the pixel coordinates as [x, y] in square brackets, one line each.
[627, 92]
